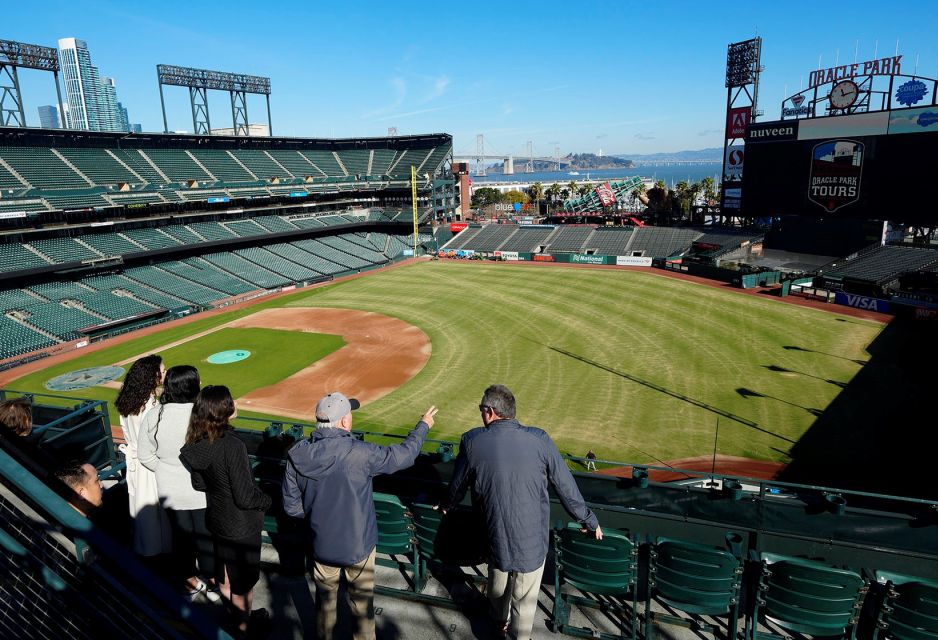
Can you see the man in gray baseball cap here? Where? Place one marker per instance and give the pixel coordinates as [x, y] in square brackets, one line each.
[328, 482]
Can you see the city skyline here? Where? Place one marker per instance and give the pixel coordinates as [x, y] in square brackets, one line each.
[90, 98]
[626, 79]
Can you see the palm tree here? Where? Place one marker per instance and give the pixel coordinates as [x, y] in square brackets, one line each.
[639, 192]
[572, 187]
[553, 191]
[537, 192]
[584, 189]
[683, 191]
[708, 188]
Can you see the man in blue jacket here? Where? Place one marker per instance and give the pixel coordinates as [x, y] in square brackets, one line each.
[509, 466]
[328, 481]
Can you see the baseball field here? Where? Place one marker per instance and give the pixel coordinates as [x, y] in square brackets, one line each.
[637, 366]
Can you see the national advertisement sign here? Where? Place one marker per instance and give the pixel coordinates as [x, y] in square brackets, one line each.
[911, 92]
[862, 302]
[507, 255]
[796, 107]
[633, 261]
[456, 227]
[583, 258]
[732, 196]
[773, 132]
[913, 120]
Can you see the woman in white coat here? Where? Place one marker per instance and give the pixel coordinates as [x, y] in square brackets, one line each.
[137, 395]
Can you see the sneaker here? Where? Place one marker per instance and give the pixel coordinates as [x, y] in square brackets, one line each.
[194, 592]
[213, 594]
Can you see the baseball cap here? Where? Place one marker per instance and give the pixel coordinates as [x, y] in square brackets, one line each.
[334, 407]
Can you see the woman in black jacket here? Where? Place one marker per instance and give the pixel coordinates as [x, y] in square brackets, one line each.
[219, 464]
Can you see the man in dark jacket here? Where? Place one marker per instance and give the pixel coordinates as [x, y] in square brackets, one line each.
[508, 466]
[328, 481]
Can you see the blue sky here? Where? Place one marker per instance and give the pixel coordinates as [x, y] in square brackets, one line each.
[618, 76]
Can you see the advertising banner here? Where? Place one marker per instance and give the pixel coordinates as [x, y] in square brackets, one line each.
[543, 257]
[736, 122]
[12, 214]
[633, 261]
[836, 169]
[773, 131]
[583, 258]
[862, 302]
[732, 196]
[507, 255]
[913, 120]
[606, 196]
[856, 124]
[733, 163]
[456, 227]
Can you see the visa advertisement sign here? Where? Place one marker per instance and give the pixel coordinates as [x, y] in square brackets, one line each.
[862, 302]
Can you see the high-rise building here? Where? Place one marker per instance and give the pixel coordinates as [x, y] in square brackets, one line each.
[92, 98]
[49, 117]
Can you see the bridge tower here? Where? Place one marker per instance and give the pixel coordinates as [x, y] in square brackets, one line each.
[480, 155]
[529, 165]
[557, 157]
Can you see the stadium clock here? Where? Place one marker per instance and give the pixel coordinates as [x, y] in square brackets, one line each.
[844, 94]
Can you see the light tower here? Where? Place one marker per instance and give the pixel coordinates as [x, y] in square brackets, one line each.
[392, 131]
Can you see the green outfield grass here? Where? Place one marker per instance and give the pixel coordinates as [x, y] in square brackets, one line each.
[634, 365]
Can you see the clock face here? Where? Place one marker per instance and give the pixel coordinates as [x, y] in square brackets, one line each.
[844, 94]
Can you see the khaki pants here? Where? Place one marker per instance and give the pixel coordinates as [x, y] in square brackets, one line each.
[361, 597]
[515, 594]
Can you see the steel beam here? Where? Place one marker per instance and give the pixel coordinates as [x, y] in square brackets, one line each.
[239, 113]
[201, 123]
[11, 104]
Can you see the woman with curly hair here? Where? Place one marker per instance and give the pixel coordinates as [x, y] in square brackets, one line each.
[162, 434]
[137, 395]
[218, 461]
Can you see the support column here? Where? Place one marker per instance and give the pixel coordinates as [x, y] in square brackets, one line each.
[201, 123]
[11, 104]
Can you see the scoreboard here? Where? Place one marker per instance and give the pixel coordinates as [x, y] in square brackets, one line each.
[871, 166]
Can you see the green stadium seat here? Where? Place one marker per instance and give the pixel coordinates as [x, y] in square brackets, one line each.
[200, 270]
[223, 166]
[607, 567]
[694, 578]
[909, 610]
[807, 597]
[177, 165]
[100, 166]
[42, 168]
[396, 538]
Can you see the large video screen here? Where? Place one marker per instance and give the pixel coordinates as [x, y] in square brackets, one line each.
[874, 166]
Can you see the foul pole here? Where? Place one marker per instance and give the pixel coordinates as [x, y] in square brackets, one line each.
[413, 195]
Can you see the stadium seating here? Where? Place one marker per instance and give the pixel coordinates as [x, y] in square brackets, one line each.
[327, 251]
[24, 205]
[152, 238]
[111, 244]
[42, 168]
[340, 243]
[199, 270]
[113, 306]
[662, 242]
[98, 165]
[569, 239]
[62, 250]
[355, 161]
[296, 164]
[881, 264]
[278, 264]
[177, 165]
[253, 273]
[139, 290]
[275, 224]
[605, 571]
[381, 161]
[140, 165]
[182, 233]
[526, 239]
[136, 198]
[19, 339]
[212, 231]
[611, 241]
[56, 291]
[492, 236]
[245, 228]
[222, 166]
[178, 287]
[360, 246]
[261, 164]
[60, 320]
[297, 255]
[326, 162]
[16, 257]
[8, 180]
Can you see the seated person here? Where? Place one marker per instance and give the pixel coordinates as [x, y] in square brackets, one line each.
[86, 493]
[16, 425]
